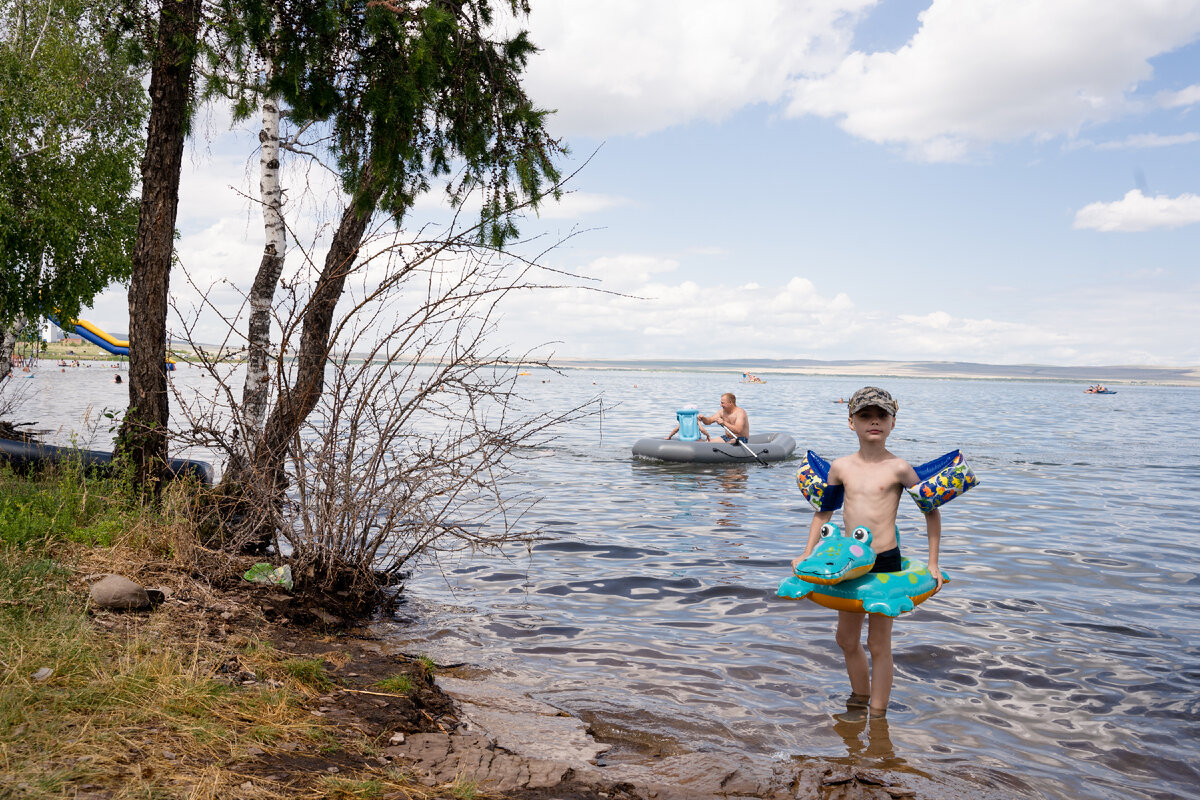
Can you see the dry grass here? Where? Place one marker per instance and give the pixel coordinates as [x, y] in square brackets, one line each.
[102, 705]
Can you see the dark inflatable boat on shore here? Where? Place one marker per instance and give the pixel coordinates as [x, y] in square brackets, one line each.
[24, 456]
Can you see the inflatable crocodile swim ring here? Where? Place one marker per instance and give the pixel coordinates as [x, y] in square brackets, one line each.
[887, 593]
[838, 558]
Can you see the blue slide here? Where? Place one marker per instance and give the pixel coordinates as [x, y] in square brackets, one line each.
[99, 338]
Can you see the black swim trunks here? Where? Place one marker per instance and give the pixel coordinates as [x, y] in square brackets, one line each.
[887, 561]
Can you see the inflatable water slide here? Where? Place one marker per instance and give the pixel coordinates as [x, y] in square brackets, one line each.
[99, 338]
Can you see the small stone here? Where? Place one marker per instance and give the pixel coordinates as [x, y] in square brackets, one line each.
[169, 756]
[114, 591]
[325, 618]
[43, 674]
[397, 738]
[226, 615]
[332, 769]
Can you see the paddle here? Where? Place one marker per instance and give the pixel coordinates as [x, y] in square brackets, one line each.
[743, 444]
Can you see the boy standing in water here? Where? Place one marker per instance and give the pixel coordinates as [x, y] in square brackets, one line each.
[873, 480]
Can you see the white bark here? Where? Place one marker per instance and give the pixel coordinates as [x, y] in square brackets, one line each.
[8, 343]
[258, 378]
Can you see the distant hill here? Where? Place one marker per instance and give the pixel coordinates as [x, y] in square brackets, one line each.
[1179, 376]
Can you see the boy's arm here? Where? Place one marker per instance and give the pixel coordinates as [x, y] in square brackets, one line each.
[933, 526]
[814, 535]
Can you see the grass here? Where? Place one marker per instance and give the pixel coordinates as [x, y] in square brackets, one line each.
[69, 505]
[309, 672]
[344, 789]
[463, 789]
[138, 705]
[397, 684]
[120, 711]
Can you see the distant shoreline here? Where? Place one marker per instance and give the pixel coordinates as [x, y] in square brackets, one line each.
[1116, 374]
[1125, 375]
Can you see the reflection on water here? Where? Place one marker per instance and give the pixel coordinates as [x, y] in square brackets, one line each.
[1066, 651]
[868, 740]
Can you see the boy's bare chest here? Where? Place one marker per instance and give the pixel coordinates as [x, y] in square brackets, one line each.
[872, 483]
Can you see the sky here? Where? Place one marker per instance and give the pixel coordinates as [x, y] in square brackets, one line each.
[995, 181]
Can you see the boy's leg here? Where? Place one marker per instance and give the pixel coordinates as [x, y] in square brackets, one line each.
[849, 638]
[879, 642]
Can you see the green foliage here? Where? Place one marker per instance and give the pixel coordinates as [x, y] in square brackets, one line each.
[71, 116]
[409, 92]
[63, 504]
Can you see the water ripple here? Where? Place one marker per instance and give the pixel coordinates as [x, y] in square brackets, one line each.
[1060, 661]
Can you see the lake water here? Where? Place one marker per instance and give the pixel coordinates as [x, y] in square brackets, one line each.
[1062, 661]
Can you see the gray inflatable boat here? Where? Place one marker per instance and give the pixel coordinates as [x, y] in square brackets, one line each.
[767, 446]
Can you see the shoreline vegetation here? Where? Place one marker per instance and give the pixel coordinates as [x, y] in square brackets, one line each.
[1123, 374]
[221, 687]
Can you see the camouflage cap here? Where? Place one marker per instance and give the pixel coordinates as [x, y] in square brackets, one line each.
[872, 396]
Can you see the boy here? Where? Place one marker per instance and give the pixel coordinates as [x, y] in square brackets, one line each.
[873, 480]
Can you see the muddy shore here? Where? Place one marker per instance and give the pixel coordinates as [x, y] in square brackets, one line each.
[460, 723]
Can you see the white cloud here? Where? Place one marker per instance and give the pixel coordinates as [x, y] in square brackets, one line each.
[630, 272]
[1121, 322]
[626, 66]
[1184, 97]
[995, 70]
[1136, 212]
[575, 205]
[1143, 141]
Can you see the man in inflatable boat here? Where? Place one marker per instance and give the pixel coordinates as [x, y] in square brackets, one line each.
[856, 573]
[735, 420]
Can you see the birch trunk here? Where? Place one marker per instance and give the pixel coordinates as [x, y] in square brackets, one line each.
[262, 293]
[8, 344]
[296, 402]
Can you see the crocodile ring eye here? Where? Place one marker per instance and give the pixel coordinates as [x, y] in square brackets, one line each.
[827, 530]
[860, 534]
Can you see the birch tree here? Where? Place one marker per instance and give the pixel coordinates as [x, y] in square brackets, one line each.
[412, 92]
[262, 293]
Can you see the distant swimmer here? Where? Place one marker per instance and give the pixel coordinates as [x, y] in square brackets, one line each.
[116, 378]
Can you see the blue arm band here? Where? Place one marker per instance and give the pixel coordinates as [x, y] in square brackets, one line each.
[813, 480]
[941, 480]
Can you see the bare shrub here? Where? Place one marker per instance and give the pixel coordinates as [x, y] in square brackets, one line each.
[409, 450]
